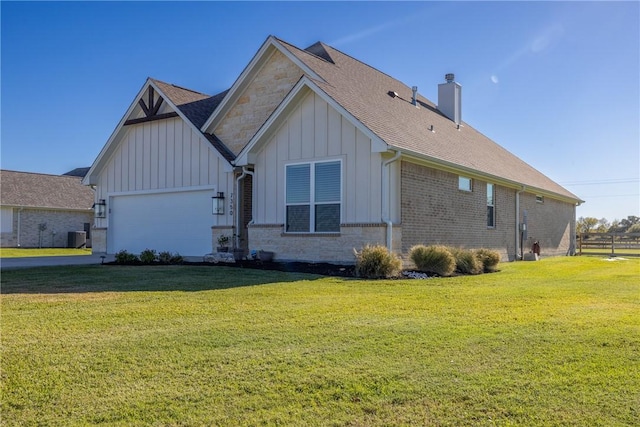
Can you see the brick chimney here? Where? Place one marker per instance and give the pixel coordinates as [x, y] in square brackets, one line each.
[450, 99]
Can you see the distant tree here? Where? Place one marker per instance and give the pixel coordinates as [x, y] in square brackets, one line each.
[629, 221]
[615, 227]
[635, 228]
[586, 225]
[602, 226]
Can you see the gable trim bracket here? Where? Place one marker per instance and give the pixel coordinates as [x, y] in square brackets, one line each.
[91, 178]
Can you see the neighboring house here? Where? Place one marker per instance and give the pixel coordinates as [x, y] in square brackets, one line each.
[40, 210]
[314, 154]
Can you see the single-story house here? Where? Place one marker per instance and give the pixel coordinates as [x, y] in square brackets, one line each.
[40, 210]
[310, 154]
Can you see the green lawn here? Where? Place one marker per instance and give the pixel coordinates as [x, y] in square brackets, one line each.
[22, 253]
[554, 342]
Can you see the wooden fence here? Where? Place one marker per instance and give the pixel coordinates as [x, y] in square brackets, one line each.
[614, 244]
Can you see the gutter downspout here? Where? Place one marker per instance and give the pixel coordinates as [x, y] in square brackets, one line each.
[245, 172]
[19, 223]
[517, 233]
[386, 197]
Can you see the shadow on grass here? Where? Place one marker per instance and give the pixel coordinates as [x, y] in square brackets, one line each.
[112, 278]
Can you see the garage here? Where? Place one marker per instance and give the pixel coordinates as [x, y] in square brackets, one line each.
[176, 222]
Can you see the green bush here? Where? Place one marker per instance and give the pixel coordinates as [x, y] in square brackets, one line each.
[148, 256]
[124, 257]
[164, 257]
[433, 259]
[176, 259]
[376, 262]
[167, 257]
[466, 261]
[488, 258]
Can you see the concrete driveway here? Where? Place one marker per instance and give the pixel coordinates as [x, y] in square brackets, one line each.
[48, 261]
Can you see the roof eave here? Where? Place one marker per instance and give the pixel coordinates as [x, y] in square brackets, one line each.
[473, 173]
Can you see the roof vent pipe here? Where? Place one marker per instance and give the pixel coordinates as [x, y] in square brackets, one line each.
[414, 98]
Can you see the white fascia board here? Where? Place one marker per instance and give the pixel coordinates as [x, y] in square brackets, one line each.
[227, 166]
[378, 145]
[247, 155]
[263, 54]
[88, 178]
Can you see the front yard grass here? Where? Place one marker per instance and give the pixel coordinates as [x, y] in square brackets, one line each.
[23, 253]
[553, 342]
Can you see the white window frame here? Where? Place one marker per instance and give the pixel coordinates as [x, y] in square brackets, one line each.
[539, 199]
[491, 204]
[465, 180]
[312, 190]
[6, 217]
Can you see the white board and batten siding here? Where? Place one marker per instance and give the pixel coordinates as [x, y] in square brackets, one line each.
[166, 165]
[314, 131]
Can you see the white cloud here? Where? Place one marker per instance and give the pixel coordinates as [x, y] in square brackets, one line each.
[494, 78]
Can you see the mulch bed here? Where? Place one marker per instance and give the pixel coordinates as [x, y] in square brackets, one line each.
[324, 269]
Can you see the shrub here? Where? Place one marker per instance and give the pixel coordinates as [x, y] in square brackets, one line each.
[488, 258]
[176, 259]
[167, 257]
[164, 257]
[376, 262]
[148, 256]
[124, 257]
[433, 259]
[466, 261]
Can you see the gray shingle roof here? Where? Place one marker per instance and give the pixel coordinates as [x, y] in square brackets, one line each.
[363, 91]
[197, 107]
[35, 190]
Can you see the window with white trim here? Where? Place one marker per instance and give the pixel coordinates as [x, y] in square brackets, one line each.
[313, 197]
[491, 206]
[539, 199]
[6, 219]
[464, 183]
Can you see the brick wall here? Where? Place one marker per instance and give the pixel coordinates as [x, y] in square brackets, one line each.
[434, 211]
[552, 223]
[59, 223]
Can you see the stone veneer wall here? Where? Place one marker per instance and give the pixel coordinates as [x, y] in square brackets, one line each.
[217, 231]
[59, 223]
[257, 102]
[331, 247]
[99, 240]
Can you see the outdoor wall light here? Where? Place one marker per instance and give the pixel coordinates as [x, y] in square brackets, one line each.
[100, 208]
[218, 204]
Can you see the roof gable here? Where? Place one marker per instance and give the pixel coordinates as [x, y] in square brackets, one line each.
[295, 96]
[267, 49]
[159, 100]
[35, 190]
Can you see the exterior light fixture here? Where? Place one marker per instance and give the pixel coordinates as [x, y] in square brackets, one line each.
[100, 208]
[218, 204]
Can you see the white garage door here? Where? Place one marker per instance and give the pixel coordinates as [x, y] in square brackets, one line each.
[177, 222]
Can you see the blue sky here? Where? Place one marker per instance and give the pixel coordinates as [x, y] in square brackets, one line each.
[556, 83]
